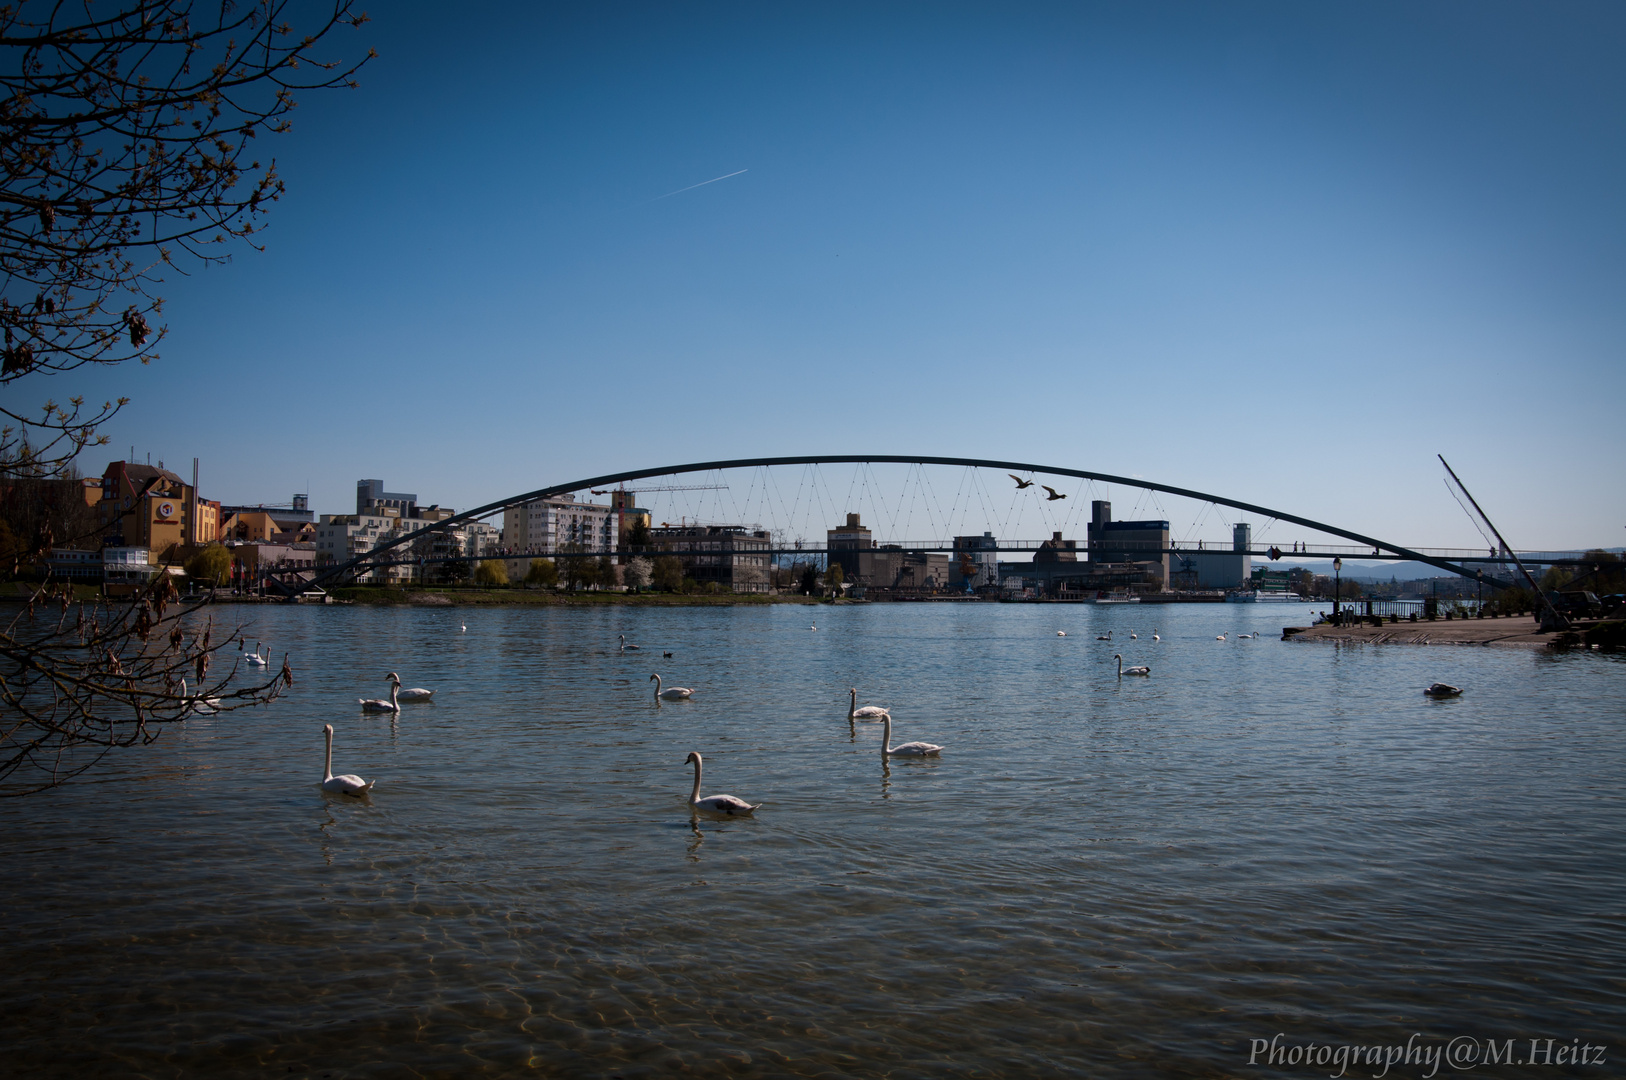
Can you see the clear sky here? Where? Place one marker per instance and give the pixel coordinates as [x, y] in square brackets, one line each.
[1281, 251]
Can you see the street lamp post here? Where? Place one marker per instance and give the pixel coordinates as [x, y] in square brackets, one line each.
[1337, 570]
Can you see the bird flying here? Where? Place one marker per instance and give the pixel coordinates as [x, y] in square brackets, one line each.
[1054, 494]
[1020, 483]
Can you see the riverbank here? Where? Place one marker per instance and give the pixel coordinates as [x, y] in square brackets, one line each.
[1520, 631]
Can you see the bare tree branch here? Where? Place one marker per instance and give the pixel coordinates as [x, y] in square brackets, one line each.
[129, 147]
[79, 680]
[128, 142]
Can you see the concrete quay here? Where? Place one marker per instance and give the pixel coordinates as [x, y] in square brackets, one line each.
[1520, 630]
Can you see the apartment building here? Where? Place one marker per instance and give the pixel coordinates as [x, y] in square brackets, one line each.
[544, 527]
[341, 537]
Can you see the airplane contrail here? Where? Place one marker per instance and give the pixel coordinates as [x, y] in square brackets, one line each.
[702, 183]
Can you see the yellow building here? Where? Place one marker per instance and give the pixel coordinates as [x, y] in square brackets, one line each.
[151, 507]
[250, 526]
[208, 529]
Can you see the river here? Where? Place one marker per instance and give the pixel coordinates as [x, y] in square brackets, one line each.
[1099, 876]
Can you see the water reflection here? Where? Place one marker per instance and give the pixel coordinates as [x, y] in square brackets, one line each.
[1111, 879]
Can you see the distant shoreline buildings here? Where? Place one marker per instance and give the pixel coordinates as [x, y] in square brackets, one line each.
[141, 520]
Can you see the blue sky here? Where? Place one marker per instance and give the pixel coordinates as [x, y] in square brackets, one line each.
[1283, 252]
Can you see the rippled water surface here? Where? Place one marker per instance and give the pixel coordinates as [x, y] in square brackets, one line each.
[1099, 877]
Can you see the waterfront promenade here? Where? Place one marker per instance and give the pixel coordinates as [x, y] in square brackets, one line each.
[1521, 630]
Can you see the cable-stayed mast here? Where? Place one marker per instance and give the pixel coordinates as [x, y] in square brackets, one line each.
[1551, 619]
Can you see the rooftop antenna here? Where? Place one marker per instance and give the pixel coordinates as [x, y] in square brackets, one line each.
[1551, 619]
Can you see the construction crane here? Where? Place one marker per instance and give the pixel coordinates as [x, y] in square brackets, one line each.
[669, 487]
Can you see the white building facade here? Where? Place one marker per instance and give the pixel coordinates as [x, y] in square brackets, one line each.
[479, 538]
[341, 537]
[541, 528]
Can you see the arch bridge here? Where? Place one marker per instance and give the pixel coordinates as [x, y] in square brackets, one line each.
[388, 553]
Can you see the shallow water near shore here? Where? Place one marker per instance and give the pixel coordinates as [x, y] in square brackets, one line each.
[1104, 876]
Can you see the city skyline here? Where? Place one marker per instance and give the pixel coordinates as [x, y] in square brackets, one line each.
[1283, 255]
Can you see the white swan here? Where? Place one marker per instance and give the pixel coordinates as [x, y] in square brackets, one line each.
[717, 804]
[203, 706]
[349, 783]
[1104, 637]
[1122, 671]
[671, 693]
[1244, 637]
[417, 693]
[908, 749]
[462, 627]
[628, 648]
[1156, 636]
[1133, 636]
[254, 659]
[1220, 637]
[379, 704]
[1061, 633]
[868, 712]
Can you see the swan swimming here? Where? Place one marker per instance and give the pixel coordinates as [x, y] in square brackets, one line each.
[671, 693]
[1133, 636]
[254, 659]
[1122, 671]
[1156, 636]
[203, 706]
[908, 749]
[868, 712]
[625, 647]
[1441, 689]
[379, 704]
[1220, 637]
[717, 804]
[349, 783]
[1104, 637]
[1061, 633]
[417, 693]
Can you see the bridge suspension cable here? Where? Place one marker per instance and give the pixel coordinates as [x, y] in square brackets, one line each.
[811, 471]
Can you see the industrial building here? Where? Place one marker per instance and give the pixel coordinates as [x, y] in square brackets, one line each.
[1217, 569]
[733, 556]
[1122, 557]
[1144, 543]
[887, 567]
